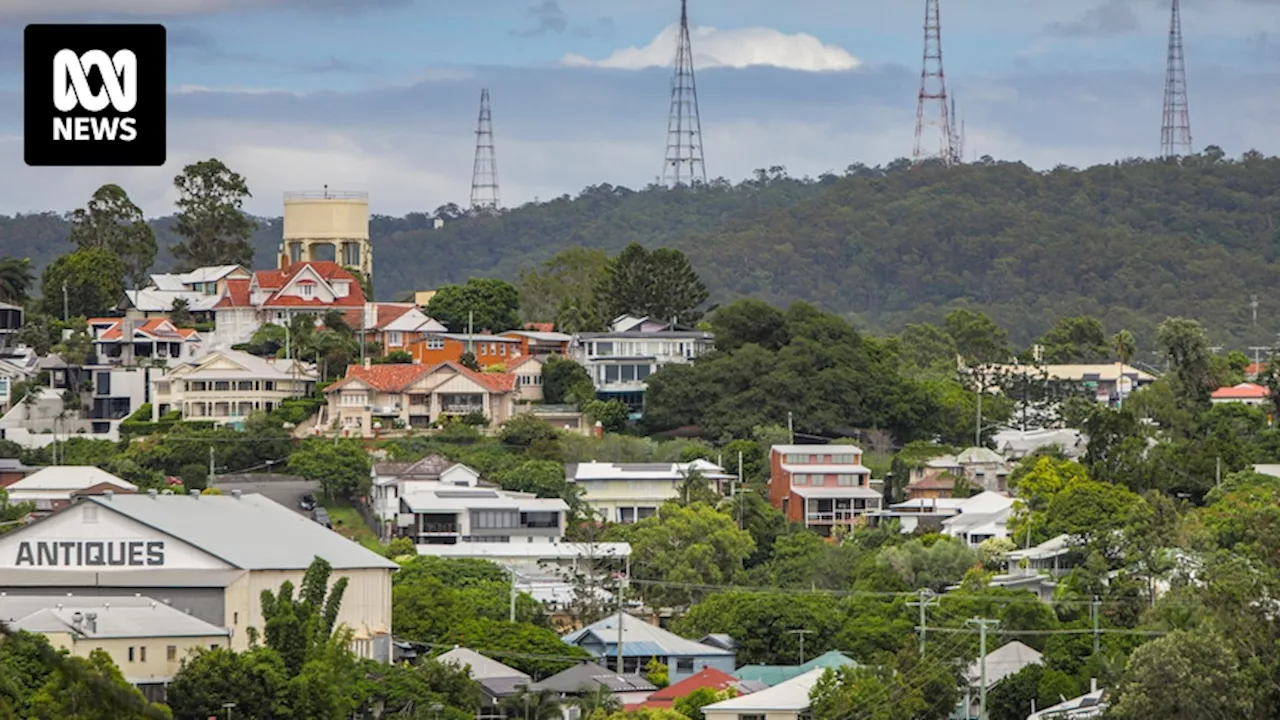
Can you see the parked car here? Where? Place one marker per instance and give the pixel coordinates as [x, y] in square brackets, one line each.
[307, 502]
[321, 516]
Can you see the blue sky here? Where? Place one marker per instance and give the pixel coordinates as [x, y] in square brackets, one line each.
[380, 95]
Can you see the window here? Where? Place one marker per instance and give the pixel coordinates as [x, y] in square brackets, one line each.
[130, 654]
[494, 519]
[751, 717]
[307, 289]
[394, 338]
[843, 459]
[684, 665]
[355, 398]
[799, 479]
[235, 618]
[645, 512]
[419, 399]
[171, 653]
[142, 654]
[626, 515]
[269, 385]
[104, 383]
[90, 513]
[435, 343]
[502, 349]
[603, 348]
[846, 480]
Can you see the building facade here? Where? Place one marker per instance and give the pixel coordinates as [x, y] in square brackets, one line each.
[620, 361]
[821, 486]
[630, 492]
[397, 396]
[227, 386]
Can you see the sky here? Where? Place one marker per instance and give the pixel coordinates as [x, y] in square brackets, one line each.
[382, 95]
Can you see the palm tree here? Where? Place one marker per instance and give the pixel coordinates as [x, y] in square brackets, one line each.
[529, 704]
[16, 279]
[1125, 346]
[598, 698]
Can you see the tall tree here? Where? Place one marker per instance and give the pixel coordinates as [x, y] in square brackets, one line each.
[15, 279]
[1125, 346]
[210, 218]
[562, 290]
[299, 628]
[112, 222]
[978, 338]
[1074, 340]
[661, 284]
[92, 278]
[1187, 350]
[482, 303]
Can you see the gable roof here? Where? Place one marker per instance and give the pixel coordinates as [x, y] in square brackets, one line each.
[266, 535]
[1003, 662]
[154, 328]
[774, 674]
[708, 677]
[395, 377]
[239, 292]
[480, 667]
[247, 366]
[792, 695]
[69, 477]
[640, 638]
[1243, 391]
[583, 677]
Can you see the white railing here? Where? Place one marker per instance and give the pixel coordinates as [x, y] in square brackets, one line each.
[326, 195]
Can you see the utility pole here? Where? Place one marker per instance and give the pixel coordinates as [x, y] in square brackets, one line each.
[801, 633]
[1217, 471]
[512, 614]
[734, 491]
[927, 598]
[212, 469]
[1096, 617]
[791, 429]
[1253, 305]
[620, 627]
[471, 343]
[65, 303]
[977, 428]
[983, 624]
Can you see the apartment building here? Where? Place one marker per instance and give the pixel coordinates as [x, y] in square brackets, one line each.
[457, 508]
[821, 485]
[629, 492]
[227, 386]
[620, 361]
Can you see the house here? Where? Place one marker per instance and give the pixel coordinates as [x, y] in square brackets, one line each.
[153, 341]
[392, 480]
[1017, 444]
[497, 681]
[226, 386]
[393, 326]
[1092, 704]
[12, 470]
[561, 417]
[147, 640]
[310, 287]
[621, 360]
[821, 485]
[981, 467]
[1106, 382]
[528, 372]
[642, 642]
[980, 518]
[541, 342]
[487, 349]
[628, 492]
[373, 397]
[585, 678]
[201, 289]
[55, 487]
[1246, 393]
[17, 364]
[788, 700]
[711, 678]
[83, 401]
[11, 321]
[918, 514]
[771, 675]
[999, 664]
[450, 512]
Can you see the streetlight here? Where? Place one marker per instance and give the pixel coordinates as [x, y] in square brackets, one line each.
[227, 707]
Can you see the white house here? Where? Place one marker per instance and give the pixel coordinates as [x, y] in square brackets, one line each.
[980, 518]
[785, 701]
[226, 386]
[201, 289]
[628, 492]
[54, 487]
[620, 361]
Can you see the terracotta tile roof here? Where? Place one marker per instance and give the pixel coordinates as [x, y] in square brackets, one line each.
[708, 677]
[355, 299]
[1243, 391]
[157, 328]
[938, 483]
[540, 327]
[237, 294]
[1253, 369]
[496, 382]
[390, 312]
[270, 279]
[522, 360]
[395, 377]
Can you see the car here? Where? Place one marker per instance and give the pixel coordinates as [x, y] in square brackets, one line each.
[321, 516]
[307, 502]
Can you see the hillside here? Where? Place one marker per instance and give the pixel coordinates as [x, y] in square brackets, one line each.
[1130, 243]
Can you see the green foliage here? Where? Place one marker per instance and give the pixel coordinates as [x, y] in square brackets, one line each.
[341, 465]
[93, 277]
[563, 290]
[934, 565]
[15, 280]
[565, 381]
[690, 706]
[482, 304]
[1187, 674]
[1078, 339]
[74, 691]
[194, 476]
[524, 429]
[611, 414]
[657, 673]
[660, 284]
[907, 688]
[112, 223]
[214, 229]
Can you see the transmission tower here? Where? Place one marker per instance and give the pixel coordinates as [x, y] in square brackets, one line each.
[684, 163]
[1175, 132]
[933, 91]
[484, 178]
[957, 135]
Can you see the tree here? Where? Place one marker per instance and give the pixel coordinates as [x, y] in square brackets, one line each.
[748, 321]
[180, 313]
[1125, 346]
[599, 699]
[299, 628]
[15, 279]
[691, 705]
[93, 278]
[978, 339]
[611, 414]
[75, 691]
[524, 429]
[210, 219]
[113, 223]
[565, 381]
[482, 304]
[1187, 349]
[533, 704]
[341, 466]
[562, 290]
[1184, 674]
[906, 688]
[661, 284]
[1078, 339]
[257, 679]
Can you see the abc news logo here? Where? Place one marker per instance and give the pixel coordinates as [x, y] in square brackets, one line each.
[107, 105]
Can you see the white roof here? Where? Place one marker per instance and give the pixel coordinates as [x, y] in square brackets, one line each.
[824, 449]
[250, 367]
[1047, 549]
[69, 478]
[457, 498]
[823, 469]
[930, 503]
[250, 532]
[1003, 662]
[1025, 442]
[155, 300]
[529, 550]
[116, 617]
[414, 321]
[590, 471]
[481, 667]
[544, 336]
[979, 455]
[789, 696]
[641, 638]
[986, 502]
[850, 491]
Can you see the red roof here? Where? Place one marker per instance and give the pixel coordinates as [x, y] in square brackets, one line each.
[237, 294]
[1243, 391]
[273, 281]
[540, 327]
[390, 312]
[1254, 369]
[395, 377]
[708, 677]
[157, 328]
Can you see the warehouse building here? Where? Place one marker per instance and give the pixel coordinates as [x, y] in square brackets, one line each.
[207, 555]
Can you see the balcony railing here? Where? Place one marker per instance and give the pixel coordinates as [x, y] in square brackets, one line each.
[385, 409]
[462, 409]
[438, 529]
[837, 516]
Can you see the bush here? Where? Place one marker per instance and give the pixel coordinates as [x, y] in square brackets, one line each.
[194, 476]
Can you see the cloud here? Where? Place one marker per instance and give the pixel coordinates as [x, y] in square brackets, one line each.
[1112, 18]
[547, 18]
[738, 48]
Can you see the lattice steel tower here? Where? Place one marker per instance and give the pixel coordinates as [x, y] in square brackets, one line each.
[684, 163]
[484, 178]
[933, 91]
[1175, 131]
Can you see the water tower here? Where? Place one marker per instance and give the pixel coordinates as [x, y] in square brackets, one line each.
[336, 219]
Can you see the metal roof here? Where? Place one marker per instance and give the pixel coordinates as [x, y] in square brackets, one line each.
[479, 666]
[249, 531]
[581, 678]
[113, 617]
[68, 477]
[789, 696]
[641, 638]
[776, 674]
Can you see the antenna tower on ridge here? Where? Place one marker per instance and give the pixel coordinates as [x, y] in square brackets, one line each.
[957, 134]
[1175, 131]
[484, 178]
[684, 163]
[933, 91]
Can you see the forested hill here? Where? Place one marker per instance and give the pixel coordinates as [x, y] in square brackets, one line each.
[1130, 243]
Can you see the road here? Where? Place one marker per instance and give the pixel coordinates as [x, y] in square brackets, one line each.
[284, 491]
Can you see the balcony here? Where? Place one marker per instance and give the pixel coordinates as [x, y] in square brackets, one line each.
[461, 408]
[438, 528]
[832, 517]
[384, 409]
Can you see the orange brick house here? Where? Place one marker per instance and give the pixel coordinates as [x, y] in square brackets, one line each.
[489, 350]
[540, 342]
[821, 485]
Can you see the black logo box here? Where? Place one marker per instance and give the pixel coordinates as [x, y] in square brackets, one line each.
[41, 43]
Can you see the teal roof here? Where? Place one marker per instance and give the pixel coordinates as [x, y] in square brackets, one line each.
[774, 674]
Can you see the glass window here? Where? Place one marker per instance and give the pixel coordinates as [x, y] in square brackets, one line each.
[799, 479]
[171, 653]
[847, 480]
[604, 348]
[611, 373]
[684, 665]
[435, 343]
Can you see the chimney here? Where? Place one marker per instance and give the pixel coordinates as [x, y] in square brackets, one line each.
[368, 363]
[235, 494]
[599, 429]
[92, 619]
[194, 493]
[1093, 685]
[152, 494]
[107, 494]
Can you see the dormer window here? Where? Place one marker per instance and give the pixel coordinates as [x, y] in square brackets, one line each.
[341, 288]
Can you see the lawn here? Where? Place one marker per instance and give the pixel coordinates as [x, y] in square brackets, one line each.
[348, 523]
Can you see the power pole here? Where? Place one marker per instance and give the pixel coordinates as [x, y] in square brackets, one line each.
[512, 614]
[1253, 305]
[801, 633]
[791, 429]
[734, 491]
[983, 624]
[619, 628]
[1175, 131]
[1096, 618]
[684, 163]
[933, 89]
[927, 598]
[484, 176]
[212, 469]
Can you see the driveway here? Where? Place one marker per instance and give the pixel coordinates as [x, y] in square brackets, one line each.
[284, 489]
